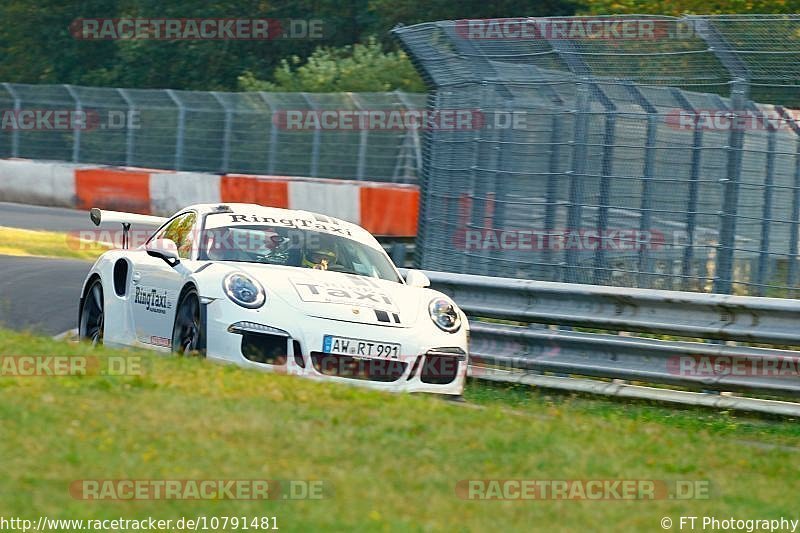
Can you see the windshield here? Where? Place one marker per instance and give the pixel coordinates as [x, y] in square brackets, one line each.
[278, 245]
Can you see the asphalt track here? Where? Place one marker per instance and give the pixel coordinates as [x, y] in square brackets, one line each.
[38, 294]
[43, 218]
[61, 219]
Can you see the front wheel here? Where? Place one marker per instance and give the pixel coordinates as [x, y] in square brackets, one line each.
[187, 333]
[92, 319]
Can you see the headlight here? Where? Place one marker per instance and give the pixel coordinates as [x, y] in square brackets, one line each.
[244, 290]
[444, 314]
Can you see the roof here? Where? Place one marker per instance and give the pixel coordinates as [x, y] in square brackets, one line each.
[249, 214]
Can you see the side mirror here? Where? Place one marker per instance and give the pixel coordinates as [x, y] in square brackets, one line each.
[416, 278]
[164, 249]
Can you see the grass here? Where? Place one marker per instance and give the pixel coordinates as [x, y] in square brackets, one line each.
[22, 242]
[390, 462]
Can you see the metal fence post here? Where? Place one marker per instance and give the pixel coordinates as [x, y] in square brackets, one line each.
[314, 169]
[730, 203]
[466, 208]
[226, 136]
[587, 90]
[491, 187]
[76, 132]
[645, 266]
[181, 129]
[794, 231]
[740, 86]
[694, 186]
[129, 133]
[362, 142]
[17, 107]
[554, 174]
[273, 134]
[421, 248]
[762, 270]
[414, 132]
[551, 191]
[577, 174]
[600, 266]
[484, 181]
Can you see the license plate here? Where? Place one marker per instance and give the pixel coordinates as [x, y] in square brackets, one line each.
[360, 348]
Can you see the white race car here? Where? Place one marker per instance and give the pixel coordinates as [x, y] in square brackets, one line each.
[290, 291]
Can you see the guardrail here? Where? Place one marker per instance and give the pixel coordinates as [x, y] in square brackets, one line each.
[536, 338]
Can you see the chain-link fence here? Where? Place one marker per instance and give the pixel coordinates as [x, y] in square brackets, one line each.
[619, 150]
[210, 131]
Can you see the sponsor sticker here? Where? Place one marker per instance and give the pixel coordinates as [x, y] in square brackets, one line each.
[346, 290]
[153, 300]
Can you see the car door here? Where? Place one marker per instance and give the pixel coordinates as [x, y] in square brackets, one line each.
[156, 285]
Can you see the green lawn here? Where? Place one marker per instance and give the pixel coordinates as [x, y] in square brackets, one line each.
[389, 462]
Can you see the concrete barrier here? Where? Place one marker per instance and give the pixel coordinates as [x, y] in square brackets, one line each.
[37, 182]
[384, 209]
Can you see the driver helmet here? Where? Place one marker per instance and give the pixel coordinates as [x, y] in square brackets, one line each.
[321, 254]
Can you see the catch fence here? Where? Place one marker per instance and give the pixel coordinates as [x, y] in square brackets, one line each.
[246, 133]
[641, 151]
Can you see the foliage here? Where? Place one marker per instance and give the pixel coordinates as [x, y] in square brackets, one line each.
[357, 68]
[36, 45]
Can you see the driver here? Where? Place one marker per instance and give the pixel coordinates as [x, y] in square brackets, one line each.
[320, 253]
[215, 242]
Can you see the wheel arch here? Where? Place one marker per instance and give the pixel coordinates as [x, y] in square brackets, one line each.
[189, 286]
[93, 276]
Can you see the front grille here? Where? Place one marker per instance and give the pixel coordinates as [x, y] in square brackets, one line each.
[345, 366]
[264, 348]
[441, 365]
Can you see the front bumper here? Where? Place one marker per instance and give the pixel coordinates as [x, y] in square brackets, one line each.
[279, 340]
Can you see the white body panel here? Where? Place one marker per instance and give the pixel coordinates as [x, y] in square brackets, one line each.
[302, 304]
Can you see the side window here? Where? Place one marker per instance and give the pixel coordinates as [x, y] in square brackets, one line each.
[180, 231]
[188, 236]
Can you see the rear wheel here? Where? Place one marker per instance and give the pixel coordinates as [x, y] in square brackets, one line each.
[92, 320]
[187, 333]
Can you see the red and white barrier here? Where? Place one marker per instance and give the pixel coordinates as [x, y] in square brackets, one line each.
[42, 183]
[383, 209]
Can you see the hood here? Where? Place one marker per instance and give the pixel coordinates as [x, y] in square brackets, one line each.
[339, 296]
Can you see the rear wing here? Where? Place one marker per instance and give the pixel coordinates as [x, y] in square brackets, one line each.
[99, 216]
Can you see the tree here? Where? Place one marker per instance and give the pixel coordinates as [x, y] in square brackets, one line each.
[36, 45]
[358, 68]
